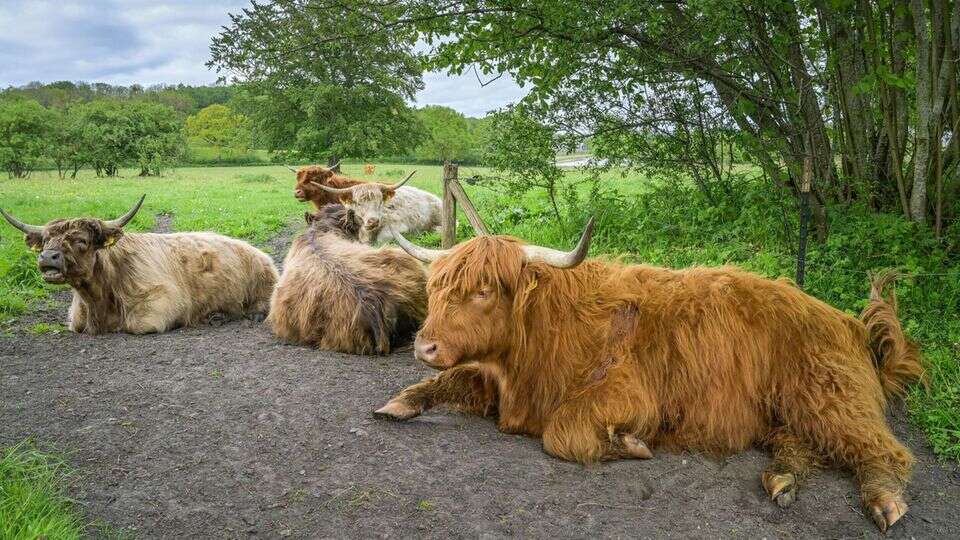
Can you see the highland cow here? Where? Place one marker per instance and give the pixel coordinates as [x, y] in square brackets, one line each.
[600, 359]
[142, 282]
[385, 207]
[341, 295]
[309, 180]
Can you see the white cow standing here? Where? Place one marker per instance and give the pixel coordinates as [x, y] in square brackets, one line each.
[380, 207]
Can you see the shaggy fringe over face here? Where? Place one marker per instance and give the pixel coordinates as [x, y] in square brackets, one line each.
[585, 355]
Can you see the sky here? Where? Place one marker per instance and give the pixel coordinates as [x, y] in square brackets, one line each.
[162, 41]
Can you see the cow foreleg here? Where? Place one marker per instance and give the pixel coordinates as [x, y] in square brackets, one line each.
[462, 387]
[77, 316]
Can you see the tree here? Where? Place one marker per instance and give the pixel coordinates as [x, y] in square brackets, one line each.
[157, 141]
[67, 147]
[525, 151]
[105, 135]
[25, 130]
[116, 132]
[314, 98]
[868, 90]
[218, 126]
[447, 134]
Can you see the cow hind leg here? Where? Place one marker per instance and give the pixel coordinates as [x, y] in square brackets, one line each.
[855, 434]
[793, 460]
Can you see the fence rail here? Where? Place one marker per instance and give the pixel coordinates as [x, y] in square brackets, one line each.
[454, 194]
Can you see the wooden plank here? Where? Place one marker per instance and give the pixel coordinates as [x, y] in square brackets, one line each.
[448, 215]
[479, 227]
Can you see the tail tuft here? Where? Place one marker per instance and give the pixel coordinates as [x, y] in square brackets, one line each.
[896, 357]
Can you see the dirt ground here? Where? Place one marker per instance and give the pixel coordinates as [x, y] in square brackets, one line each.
[224, 432]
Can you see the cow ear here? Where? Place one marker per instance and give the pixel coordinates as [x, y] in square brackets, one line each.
[107, 236]
[34, 241]
[388, 194]
[346, 198]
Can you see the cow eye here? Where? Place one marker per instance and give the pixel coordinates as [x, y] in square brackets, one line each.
[482, 294]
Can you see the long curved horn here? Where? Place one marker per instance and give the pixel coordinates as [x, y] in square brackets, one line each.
[291, 168]
[124, 219]
[392, 187]
[562, 259]
[415, 251]
[335, 165]
[24, 227]
[331, 189]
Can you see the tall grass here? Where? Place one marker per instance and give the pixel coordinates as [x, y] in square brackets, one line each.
[33, 499]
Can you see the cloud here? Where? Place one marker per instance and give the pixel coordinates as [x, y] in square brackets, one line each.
[161, 41]
[466, 94]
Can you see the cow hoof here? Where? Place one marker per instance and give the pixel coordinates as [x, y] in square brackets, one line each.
[888, 511]
[635, 448]
[782, 488]
[216, 319]
[258, 317]
[396, 410]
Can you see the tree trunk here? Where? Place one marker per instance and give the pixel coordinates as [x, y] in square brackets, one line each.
[334, 160]
[921, 153]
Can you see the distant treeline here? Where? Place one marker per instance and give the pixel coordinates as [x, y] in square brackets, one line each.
[182, 98]
[73, 125]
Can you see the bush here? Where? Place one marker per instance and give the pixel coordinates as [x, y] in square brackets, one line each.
[25, 132]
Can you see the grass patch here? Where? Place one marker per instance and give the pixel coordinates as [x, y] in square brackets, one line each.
[42, 328]
[33, 500]
[255, 178]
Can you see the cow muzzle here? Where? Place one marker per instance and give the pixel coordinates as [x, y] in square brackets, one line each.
[51, 265]
[428, 352]
[299, 195]
[372, 223]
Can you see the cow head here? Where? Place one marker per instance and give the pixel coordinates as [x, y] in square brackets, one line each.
[367, 200]
[477, 291]
[307, 180]
[334, 218]
[67, 248]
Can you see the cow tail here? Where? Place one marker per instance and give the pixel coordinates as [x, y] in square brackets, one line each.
[372, 315]
[896, 357]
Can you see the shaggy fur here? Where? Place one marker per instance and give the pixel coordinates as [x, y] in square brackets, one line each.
[706, 359]
[306, 191]
[144, 283]
[405, 209]
[340, 295]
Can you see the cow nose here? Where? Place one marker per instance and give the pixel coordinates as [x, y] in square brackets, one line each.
[298, 193]
[372, 222]
[51, 257]
[425, 351]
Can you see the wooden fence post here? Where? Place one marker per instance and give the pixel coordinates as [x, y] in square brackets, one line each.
[804, 218]
[448, 224]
